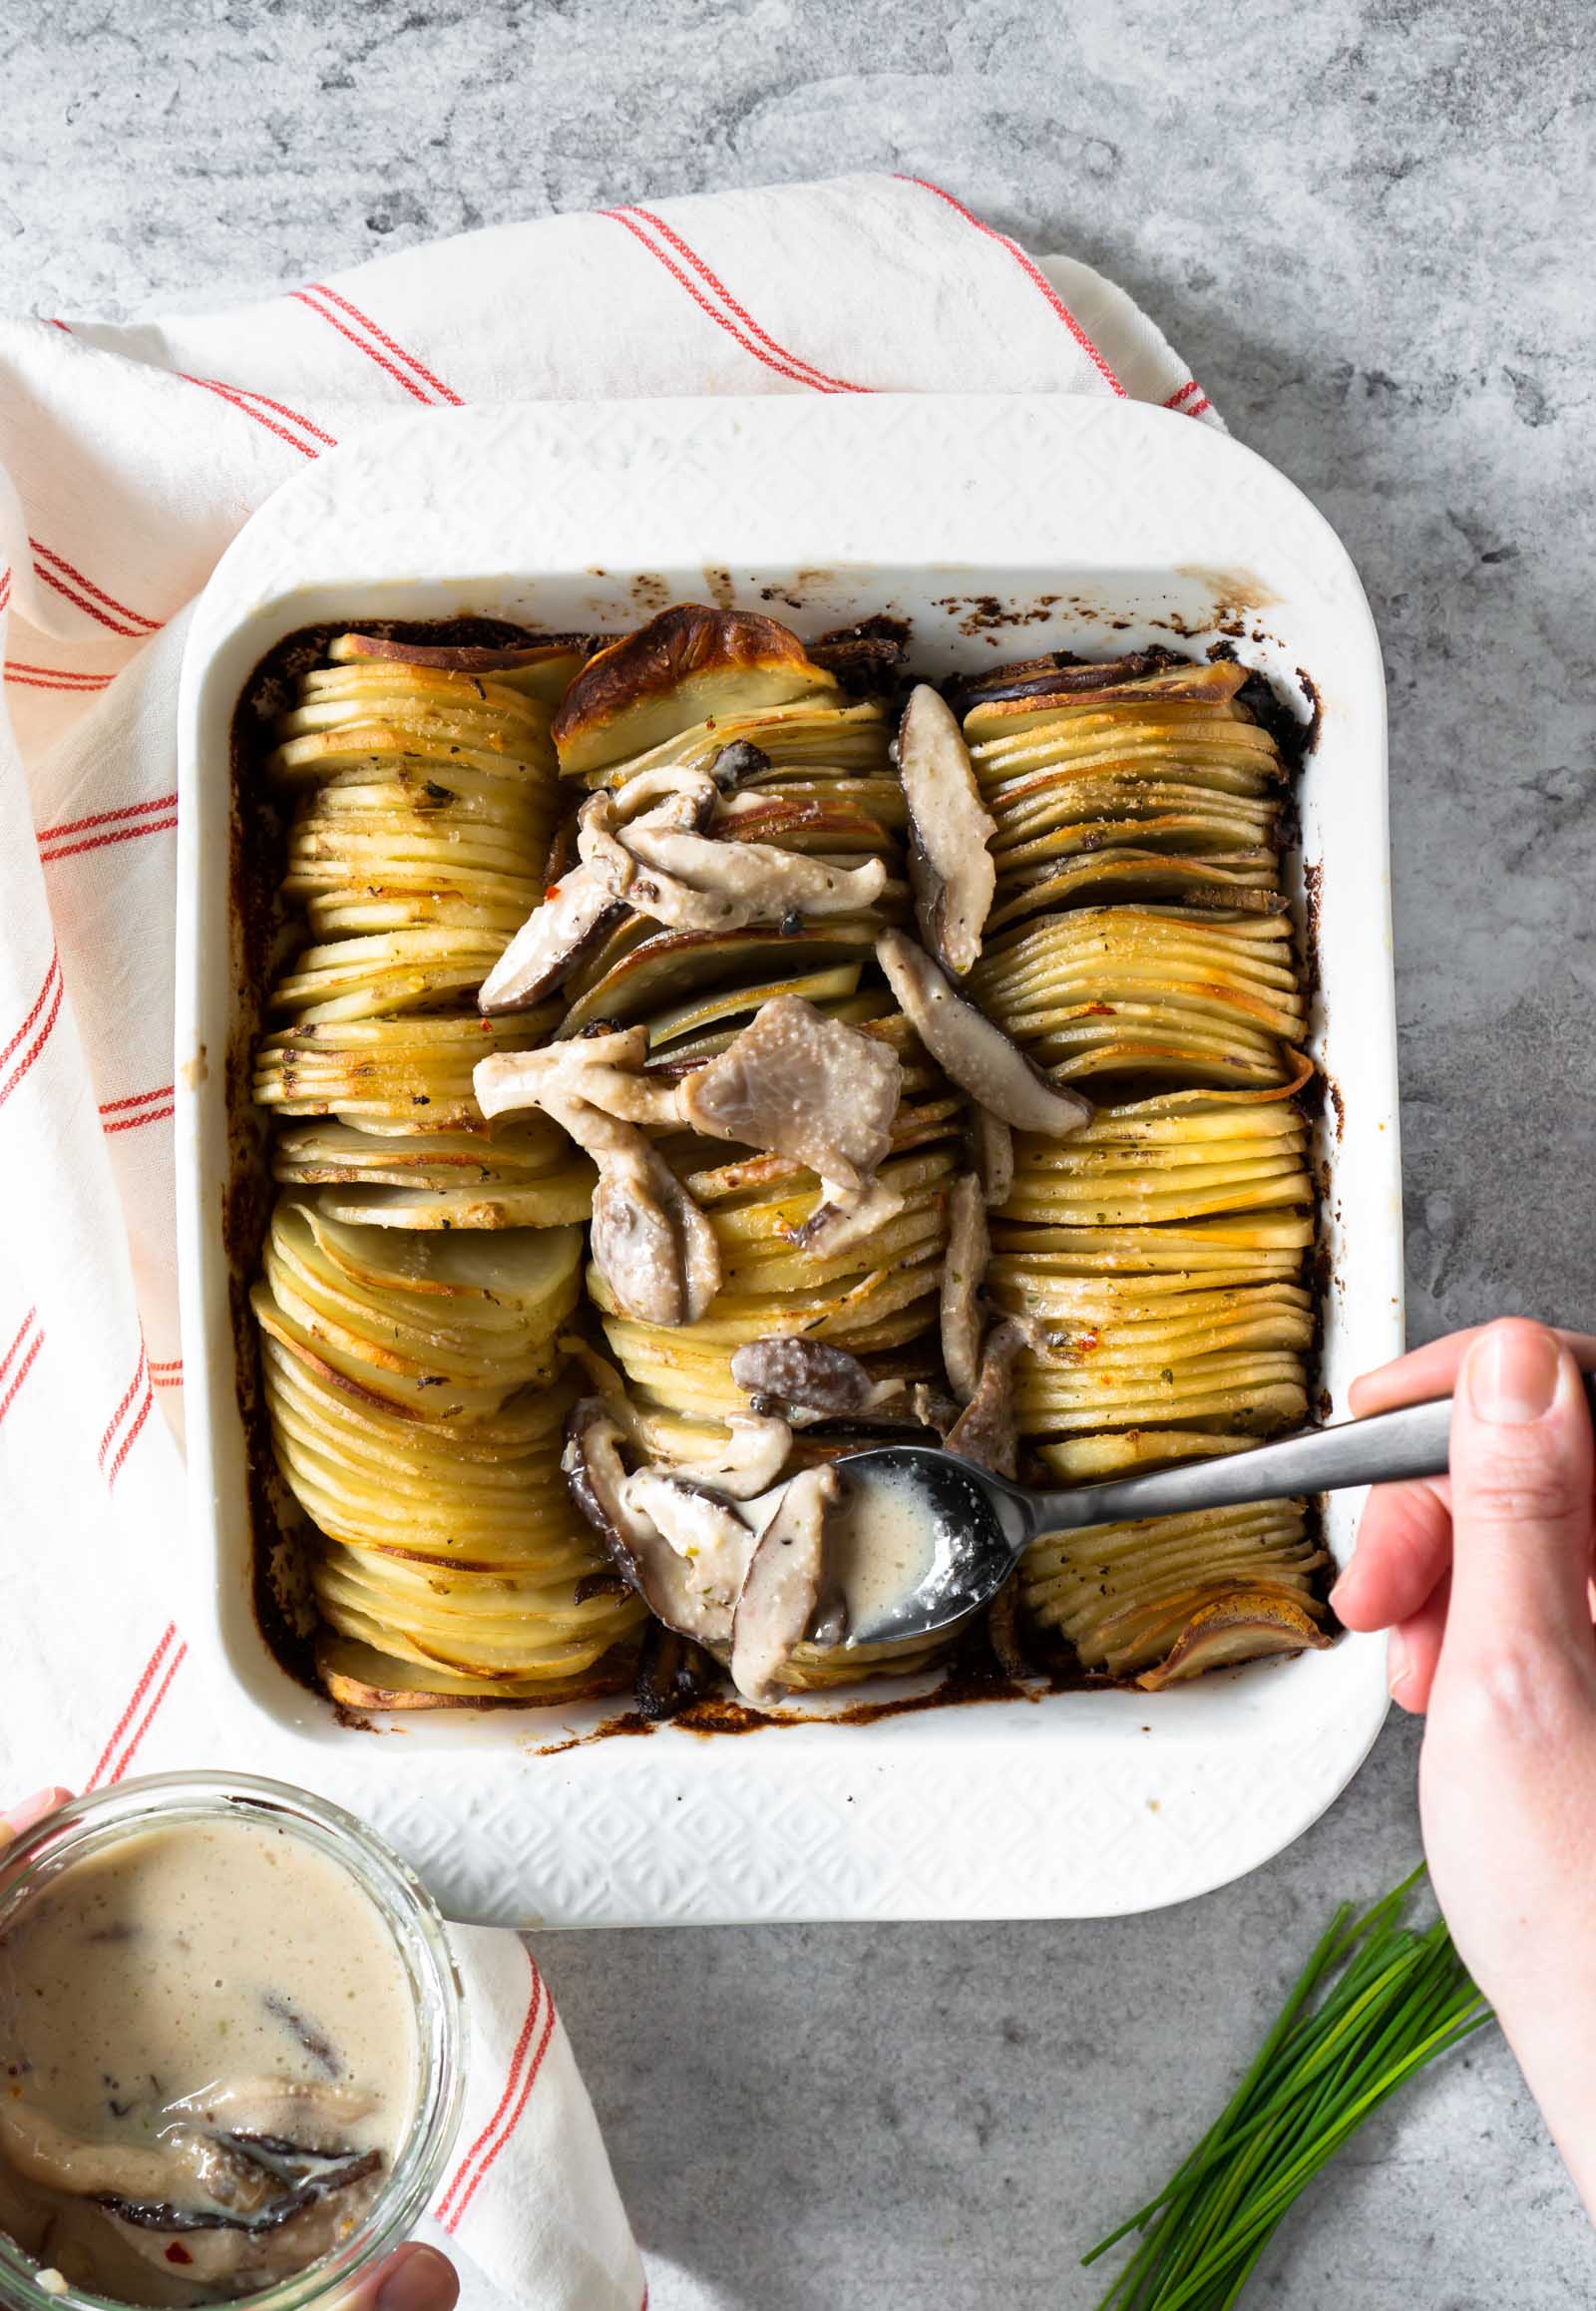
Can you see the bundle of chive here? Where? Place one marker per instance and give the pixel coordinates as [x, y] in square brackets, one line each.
[1375, 2002]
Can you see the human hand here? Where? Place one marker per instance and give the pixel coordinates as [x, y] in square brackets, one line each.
[1484, 1580]
[18, 1818]
[414, 2277]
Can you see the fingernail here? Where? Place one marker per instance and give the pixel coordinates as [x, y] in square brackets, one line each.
[1511, 1374]
[1399, 1661]
[28, 1811]
[421, 2280]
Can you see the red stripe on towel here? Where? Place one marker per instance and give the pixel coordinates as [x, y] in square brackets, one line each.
[161, 801]
[152, 1666]
[1183, 399]
[147, 1115]
[818, 377]
[38, 1005]
[146, 1408]
[248, 393]
[453, 2224]
[54, 677]
[781, 366]
[417, 392]
[51, 991]
[10, 1358]
[513, 2080]
[1032, 271]
[135, 1099]
[148, 1718]
[61, 569]
[21, 1372]
[236, 400]
[112, 835]
[115, 1419]
[398, 351]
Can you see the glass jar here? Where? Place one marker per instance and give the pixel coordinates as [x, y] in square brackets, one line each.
[90, 1825]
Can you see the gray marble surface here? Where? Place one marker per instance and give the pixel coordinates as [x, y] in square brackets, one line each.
[1365, 226]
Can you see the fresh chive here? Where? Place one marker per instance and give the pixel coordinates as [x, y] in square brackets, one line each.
[1375, 2003]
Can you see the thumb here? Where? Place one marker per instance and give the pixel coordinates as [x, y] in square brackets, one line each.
[414, 2278]
[1522, 1468]
[16, 1820]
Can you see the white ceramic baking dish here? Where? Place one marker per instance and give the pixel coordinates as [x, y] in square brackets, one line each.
[1097, 524]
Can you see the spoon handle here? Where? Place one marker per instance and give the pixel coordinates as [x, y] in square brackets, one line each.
[1379, 1450]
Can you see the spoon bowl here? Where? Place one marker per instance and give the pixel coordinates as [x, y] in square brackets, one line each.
[976, 1525]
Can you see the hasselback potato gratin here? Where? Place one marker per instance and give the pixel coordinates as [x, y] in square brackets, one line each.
[696, 1057]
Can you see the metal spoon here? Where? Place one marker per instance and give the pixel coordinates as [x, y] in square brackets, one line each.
[983, 1523]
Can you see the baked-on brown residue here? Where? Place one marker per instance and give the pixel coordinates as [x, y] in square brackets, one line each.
[866, 656]
[970, 1678]
[984, 614]
[1312, 876]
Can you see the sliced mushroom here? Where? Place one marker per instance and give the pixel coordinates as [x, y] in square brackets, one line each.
[950, 870]
[301, 2111]
[672, 1673]
[595, 1478]
[688, 796]
[192, 2159]
[749, 1462]
[809, 1376]
[705, 1531]
[736, 762]
[597, 1482]
[651, 1242]
[647, 890]
[801, 1085]
[844, 1217]
[967, 1046]
[573, 916]
[664, 869]
[932, 1409]
[600, 1071]
[985, 1431]
[993, 1145]
[964, 1273]
[762, 884]
[782, 1591]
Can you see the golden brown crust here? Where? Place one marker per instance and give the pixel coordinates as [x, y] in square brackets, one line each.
[1242, 1623]
[677, 651]
[460, 657]
[357, 1677]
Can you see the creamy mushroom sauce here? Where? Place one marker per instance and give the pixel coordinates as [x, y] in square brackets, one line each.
[209, 2024]
[881, 1545]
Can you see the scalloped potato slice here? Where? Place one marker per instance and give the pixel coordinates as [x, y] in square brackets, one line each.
[689, 664]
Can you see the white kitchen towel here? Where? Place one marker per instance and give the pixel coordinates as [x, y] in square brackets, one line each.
[128, 457]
